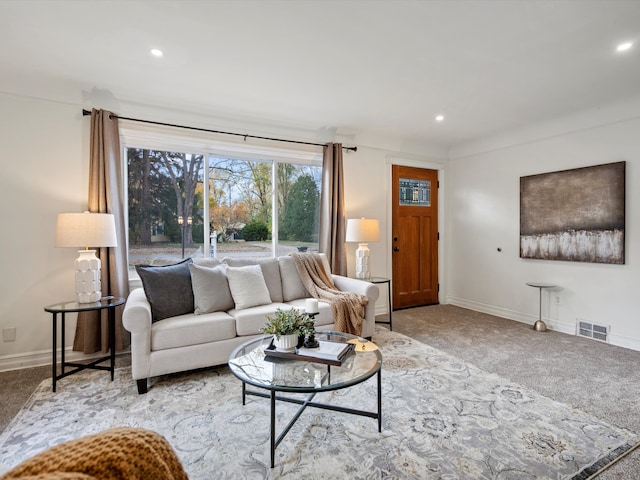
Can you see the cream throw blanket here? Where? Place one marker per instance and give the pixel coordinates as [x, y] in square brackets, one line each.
[348, 307]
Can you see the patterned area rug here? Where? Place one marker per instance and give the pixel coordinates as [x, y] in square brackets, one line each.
[442, 418]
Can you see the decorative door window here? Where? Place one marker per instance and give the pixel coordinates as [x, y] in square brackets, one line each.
[415, 193]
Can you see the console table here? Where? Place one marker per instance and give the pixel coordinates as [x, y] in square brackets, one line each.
[106, 303]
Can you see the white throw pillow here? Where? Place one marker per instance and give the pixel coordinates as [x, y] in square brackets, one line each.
[210, 289]
[247, 286]
[270, 271]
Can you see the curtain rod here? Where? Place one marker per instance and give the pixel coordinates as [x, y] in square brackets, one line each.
[245, 136]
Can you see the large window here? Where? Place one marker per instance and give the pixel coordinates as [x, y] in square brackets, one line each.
[175, 213]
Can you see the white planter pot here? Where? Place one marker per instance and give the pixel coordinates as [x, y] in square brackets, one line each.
[286, 343]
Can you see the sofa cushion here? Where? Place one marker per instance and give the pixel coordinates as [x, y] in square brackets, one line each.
[207, 262]
[270, 272]
[192, 329]
[168, 289]
[249, 320]
[210, 289]
[292, 287]
[247, 286]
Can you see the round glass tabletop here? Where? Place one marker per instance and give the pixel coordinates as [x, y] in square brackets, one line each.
[250, 364]
[74, 306]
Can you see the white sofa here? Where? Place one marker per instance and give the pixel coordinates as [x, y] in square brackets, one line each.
[195, 340]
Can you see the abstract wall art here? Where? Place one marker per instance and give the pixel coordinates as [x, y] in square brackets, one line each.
[574, 215]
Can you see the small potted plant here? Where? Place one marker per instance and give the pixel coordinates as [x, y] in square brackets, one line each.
[287, 326]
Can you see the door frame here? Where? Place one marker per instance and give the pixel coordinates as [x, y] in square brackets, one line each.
[429, 164]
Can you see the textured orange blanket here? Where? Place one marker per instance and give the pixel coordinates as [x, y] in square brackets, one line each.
[115, 454]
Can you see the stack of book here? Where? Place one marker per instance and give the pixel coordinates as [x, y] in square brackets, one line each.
[330, 353]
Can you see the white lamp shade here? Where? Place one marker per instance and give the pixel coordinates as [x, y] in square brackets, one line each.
[363, 230]
[86, 230]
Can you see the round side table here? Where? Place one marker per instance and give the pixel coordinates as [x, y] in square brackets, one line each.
[106, 303]
[540, 326]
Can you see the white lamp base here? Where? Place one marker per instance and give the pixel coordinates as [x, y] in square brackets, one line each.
[362, 261]
[88, 284]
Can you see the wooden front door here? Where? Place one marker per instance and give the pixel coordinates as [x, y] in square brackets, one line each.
[414, 238]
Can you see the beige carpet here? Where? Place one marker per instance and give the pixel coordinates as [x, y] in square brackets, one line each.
[595, 377]
[598, 378]
[442, 418]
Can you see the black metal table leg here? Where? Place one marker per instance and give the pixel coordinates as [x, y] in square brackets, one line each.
[273, 428]
[387, 281]
[62, 339]
[54, 364]
[112, 339]
[380, 400]
[390, 308]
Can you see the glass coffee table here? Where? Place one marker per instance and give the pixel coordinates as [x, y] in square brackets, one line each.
[252, 366]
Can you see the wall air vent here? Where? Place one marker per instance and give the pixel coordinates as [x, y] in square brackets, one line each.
[591, 330]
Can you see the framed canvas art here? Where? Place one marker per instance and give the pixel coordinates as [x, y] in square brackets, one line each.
[575, 215]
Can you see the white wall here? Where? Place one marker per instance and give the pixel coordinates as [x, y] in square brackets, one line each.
[483, 214]
[44, 148]
[44, 152]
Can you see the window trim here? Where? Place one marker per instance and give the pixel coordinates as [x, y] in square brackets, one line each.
[136, 135]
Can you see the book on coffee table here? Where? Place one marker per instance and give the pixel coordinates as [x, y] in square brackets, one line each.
[330, 353]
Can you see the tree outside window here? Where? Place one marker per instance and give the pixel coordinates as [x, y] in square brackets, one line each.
[241, 208]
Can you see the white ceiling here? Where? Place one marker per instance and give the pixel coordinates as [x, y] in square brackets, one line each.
[381, 67]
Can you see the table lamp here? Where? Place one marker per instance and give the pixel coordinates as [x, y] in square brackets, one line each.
[86, 230]
[362, 230]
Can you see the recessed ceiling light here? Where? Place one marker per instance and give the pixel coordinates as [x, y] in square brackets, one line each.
[439, 118]
[156, 52]
[624, 46]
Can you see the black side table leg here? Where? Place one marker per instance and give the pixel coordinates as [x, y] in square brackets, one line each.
[62, 333]
[390, 308]
[112, 340]
[54, 368]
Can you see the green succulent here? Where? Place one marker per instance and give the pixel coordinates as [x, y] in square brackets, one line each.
[288, 322]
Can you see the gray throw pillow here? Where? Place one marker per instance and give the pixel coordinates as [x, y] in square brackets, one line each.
[292, 286]
[247, 286]
[168, 289]
[210, 289]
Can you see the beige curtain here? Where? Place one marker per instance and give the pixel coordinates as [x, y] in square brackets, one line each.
[106, 194]
[332, 222]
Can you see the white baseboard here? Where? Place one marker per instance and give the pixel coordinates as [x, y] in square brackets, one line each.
[555, 325]
[42, 358]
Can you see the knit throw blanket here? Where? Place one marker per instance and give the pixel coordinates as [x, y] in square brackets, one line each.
[348, 307]
[116, 454]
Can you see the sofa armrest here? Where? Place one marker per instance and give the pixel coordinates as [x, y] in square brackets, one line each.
[136, 318]
[362, 287]
[356, 285]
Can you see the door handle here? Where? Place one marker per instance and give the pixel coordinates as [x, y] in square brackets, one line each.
[396, 249]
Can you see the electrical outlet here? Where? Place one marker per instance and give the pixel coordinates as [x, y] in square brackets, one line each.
[9, 334]
[557, 299]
